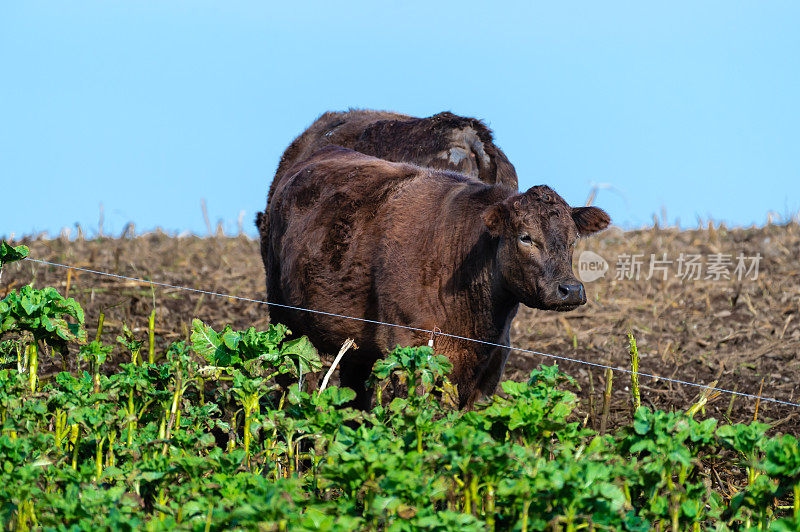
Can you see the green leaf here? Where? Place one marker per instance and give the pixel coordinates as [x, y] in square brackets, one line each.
[95, 352]
[337, 396]
[230, 339]
[28, 305]
[205, 341]
[642, 420]
[303, 353]
[10, 254]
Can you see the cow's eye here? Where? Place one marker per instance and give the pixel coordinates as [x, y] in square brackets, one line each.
[526, 239]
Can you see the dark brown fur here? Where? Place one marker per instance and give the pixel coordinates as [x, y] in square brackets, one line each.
[359, 236]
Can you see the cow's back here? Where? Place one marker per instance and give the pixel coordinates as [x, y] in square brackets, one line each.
[326, 221]
[443, 141]
[337, 128]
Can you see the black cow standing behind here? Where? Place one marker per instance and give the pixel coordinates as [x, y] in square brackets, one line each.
[444, 141]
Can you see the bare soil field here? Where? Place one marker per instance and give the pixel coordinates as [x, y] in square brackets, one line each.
[737, 327]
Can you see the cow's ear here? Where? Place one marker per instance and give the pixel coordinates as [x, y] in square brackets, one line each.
[590, 219]
[494, 217]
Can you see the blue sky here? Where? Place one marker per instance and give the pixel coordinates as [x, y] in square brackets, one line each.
[148, 107]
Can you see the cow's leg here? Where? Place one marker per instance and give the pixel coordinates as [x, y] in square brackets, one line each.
[468, 396]
[485, 382]
[464, 363]
[494, 370]
[353, 373]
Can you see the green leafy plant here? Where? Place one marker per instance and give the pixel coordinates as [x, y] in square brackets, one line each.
[42, 316]
[257, 353]
[9, 254]
[210, 438]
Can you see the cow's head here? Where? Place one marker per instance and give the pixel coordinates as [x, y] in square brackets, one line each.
[537, 232]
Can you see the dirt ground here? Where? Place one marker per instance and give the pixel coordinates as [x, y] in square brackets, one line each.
[740, 332]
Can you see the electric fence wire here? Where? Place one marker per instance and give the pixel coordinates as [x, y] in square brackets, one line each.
[437, 332]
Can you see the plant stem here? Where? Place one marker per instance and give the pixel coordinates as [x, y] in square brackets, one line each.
[174, 413]
[69, 282]
[626, 491]
[247, 421]
[570, 518]
[23, 511]
[606, 400]
[758, 400]
[33, 365]
[75, 438]
[673, 501]
[151, 331]
[162, 427]
[637, 400]
[525, 509]
[100, 326]
[20, 350]
[162, 500]
[60, 427]
[467, 500]
[98, 458]
[132, 414]
[111, 459]
[96, 362]
[490, 506]
[592, 413]
[473, 491]
[289, 456]
[208, 517]
[730, 405]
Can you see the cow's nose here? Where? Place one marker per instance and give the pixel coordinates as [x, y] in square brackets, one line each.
[571, 294]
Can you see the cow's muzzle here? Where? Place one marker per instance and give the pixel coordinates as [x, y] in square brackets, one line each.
[571, 294]
[564, 296]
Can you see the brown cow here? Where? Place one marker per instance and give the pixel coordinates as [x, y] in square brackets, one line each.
[390, 242]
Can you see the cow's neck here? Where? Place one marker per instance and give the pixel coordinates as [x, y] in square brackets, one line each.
[476, 289]
[503, 305]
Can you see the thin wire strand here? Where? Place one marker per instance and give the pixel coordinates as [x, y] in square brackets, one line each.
[437, 332]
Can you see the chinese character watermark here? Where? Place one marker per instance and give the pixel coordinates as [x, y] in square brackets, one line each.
[685, 267]
[629, 267]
